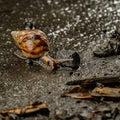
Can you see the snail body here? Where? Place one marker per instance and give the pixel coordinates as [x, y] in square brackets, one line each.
[34, 45]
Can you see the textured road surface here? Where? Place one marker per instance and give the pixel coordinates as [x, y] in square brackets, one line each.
[70, 25]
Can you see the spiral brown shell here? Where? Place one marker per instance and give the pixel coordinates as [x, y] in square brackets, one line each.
[33, 43]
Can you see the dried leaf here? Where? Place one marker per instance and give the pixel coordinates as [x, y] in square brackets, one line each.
[83, 93]
[106, 92]
[78, 92]
[92, 81]
[28, 109]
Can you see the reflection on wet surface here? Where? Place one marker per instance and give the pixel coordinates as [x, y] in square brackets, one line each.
[70, 25]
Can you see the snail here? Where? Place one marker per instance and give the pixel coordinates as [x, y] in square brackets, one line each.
[34, 45]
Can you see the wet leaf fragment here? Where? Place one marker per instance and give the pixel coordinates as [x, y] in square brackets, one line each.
[106, 92]
[78, 92]
[93, 81]
[85, 93]
[31, 108]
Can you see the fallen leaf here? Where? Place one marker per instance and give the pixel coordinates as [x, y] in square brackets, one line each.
[84, 93]
[94, 81]
[106, 92]
[24, 110]
[78, 92]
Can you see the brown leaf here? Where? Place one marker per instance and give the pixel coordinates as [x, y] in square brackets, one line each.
[78, 92]
[106, 92]
[30, 108]
[92, 81]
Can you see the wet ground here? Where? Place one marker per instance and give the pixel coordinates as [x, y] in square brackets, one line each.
[70, 25]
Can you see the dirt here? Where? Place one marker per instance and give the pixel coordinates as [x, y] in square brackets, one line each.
[69, 25]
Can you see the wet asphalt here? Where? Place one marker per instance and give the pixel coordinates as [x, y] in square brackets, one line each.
[70, 26]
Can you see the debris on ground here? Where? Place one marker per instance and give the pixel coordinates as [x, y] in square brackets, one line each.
[94, 81]
[78, 92]
[106, 92]
[15, 113]
[108, 45]
[92, 88]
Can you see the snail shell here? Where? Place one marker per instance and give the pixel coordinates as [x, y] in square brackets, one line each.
[33, 43]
